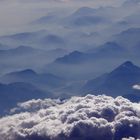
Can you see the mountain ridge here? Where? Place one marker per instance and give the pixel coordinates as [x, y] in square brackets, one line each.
[118, 82]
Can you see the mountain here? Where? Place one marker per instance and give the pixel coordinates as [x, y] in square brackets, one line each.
[11, 94]
[23, 36]
[18, 39]
[23, 49]
[45, 38]
[87, 20]
[133, 19]
[10, 59]
[118, 82]
[85, 16]
[69, 66]
[89, 63]
[108, 49]
[19, 76]
[43, 80]
[84, 11]
[19, 51]
[129, 39]
[26, 50]
[72, 58]
[38, 39]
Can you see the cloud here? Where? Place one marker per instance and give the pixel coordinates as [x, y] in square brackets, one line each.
[137, 87]
[131, 138]
[34, 105]
[90, 117]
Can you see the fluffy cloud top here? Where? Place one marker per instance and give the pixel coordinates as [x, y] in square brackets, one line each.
[129, 138]
[83, 118]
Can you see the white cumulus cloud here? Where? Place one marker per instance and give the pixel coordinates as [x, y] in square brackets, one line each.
[79, 118]
[137, 87]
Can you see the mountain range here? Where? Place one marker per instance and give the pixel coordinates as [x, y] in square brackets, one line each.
[43, 80]
[39, 39]
[28, 84]
[88, 63]
[25, 85]
[65, 54]
[10, 59]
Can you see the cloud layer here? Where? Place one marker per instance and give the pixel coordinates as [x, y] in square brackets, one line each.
[83, 118]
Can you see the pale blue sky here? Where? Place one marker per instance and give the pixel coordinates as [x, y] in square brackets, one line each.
[15, 15]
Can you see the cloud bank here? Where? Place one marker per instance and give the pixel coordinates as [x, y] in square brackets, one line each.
[79, 118]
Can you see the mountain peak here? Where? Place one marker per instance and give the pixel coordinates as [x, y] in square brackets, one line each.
[76, 53]
[118, 82]
[73, 57]
[128, 64]
[23, 72]
[27, 71]
[127, 68]
[84, 11]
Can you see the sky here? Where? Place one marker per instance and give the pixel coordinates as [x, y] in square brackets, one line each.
[15, 15]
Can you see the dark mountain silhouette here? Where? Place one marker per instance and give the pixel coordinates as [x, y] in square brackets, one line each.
[11, 94]
[78, 62]
[71, 58]
[118, 82]
[107, 50]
